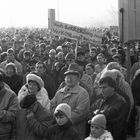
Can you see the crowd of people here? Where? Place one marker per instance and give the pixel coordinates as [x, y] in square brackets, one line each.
[53, 88]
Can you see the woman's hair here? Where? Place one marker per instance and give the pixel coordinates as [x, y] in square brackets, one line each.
[109, 81]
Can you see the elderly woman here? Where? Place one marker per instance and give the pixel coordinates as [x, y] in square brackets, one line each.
[13, 79]
[34, 112]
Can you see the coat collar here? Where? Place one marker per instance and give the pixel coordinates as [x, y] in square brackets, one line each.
[74, 89]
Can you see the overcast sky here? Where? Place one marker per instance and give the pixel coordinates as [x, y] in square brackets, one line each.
[78, 12]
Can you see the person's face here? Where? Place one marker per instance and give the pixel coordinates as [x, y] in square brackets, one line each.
[69, 61]
[33, 87]
[96, 131]
[81, 57]
[61, 120]
[100, 59]
[117, 60]
[89, 70]
[92, 53]
[114, 52]
[60, 57]
[52, 55]
[64, 49]
[9, 71]
[26, 57]
[40, 69]
[71, 80]
[106, 90]
[10, 57]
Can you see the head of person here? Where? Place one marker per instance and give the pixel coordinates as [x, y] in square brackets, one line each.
[113, 51]
[52, 53]
[60, 56]
[65, 48]
[107, 86]
[10, 69]
[93, 52]
[103, 48]
[97, 125]
[80, 53]
[72, 75]
[40, 68]
[26, 46]
[42, 47]
[27, 55]
[62, 114]
[70, 58]
[10, 55]
[59, 49]
[34, 82]
[117, 58]
[100, 58]
[81, 65]
[3, 56]
[90, 69]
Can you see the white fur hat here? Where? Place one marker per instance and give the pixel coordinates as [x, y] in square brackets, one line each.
[33, 77]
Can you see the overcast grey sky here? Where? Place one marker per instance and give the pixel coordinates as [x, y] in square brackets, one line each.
[78, 12]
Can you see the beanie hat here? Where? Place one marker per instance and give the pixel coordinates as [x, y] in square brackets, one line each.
[65, 108]
[37, 79]
[99, 120]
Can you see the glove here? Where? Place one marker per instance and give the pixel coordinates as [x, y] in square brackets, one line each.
[28, 101]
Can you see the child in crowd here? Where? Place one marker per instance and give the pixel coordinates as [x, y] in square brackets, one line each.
[64, 129]
[97, 129]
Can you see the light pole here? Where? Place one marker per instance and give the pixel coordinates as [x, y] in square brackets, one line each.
[58, 9]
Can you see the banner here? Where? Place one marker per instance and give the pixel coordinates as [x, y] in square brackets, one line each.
[76, 33]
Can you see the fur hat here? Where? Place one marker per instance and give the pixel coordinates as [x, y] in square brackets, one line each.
[64, 108]
[37, 79]
[99, 120]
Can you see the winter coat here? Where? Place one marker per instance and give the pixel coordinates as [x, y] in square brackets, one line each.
[115, 110]
[78, 98]
[42, 96]
[9, 106]
[64, 132]
[49, 85]
[15, 82]
[34, 126]
[105, 136]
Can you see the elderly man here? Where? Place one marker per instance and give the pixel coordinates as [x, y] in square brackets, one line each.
[9, 106]
[75, 96]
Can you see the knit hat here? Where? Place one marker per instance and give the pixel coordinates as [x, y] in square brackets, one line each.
[64, 108]
[99, 120]
[73, 69]
[37, 79]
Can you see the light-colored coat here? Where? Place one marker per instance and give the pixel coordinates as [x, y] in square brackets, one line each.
[78, 99]
[105, 136]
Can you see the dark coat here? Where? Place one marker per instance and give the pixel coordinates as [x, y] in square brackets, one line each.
[15, 82]
[34, 127]
[49, 85]
[115, 110]
[65, 132]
